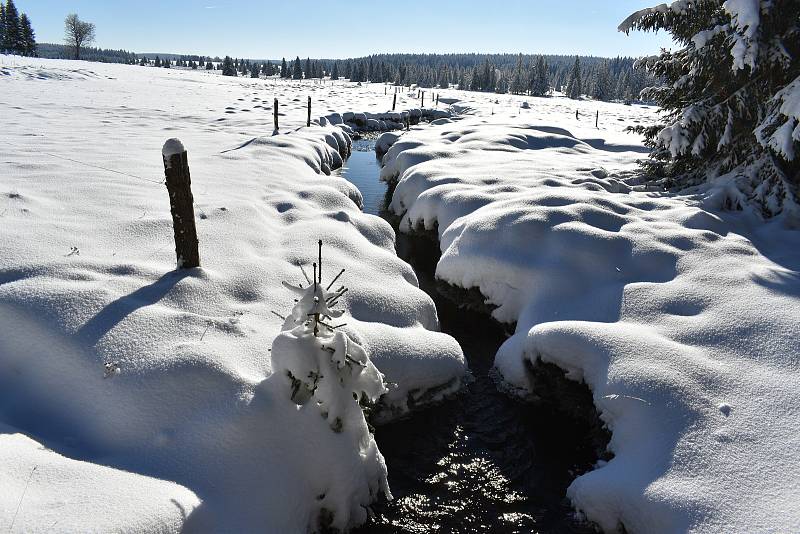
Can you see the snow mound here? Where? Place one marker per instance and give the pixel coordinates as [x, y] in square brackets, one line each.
[381, 122]
[682, 321]
[45, 492]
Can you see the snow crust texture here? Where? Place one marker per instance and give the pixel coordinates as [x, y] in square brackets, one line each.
[682, 320]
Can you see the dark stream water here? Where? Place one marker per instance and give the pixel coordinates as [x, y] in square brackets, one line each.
[481, 461]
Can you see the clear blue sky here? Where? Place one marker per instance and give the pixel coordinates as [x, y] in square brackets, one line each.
[340, 29]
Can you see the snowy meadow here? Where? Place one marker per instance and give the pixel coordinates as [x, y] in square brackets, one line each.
[243, 395]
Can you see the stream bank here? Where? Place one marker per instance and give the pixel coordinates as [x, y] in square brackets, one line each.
[480, 461]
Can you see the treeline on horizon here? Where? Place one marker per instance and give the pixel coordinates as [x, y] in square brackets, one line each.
[601, 78]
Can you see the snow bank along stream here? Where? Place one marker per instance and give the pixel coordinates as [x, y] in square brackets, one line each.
[192, 429]
[681, 318]
[479, 461]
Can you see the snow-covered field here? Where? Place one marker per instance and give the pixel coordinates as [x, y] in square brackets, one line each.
[192, 426]
[683, 320]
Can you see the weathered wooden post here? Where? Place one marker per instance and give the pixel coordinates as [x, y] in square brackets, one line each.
[422, 105]
[385, 89]
[181, 203]
[437, 100]
[394, 102]
[597, 118]
[275, 113]
[576, 114]
[308, 120]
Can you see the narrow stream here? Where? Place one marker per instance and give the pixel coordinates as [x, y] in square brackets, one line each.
[481, 461]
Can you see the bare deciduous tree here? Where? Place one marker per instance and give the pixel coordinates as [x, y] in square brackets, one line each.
[77, 33]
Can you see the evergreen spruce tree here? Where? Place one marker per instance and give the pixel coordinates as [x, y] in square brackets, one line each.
[158, 62]
[601, 88]
[475, 80]
[254, 71]
[12, 34]
[501, 84]
[284, 69]
[574, 84]
[731, 103]
[518, 82]
[488, 79]
[308, 72]
[297, 69]
[27, 37]
[209, 66]
[335, 71]
[622, 92]
[540, 85]
[228, 67]
[2, 27]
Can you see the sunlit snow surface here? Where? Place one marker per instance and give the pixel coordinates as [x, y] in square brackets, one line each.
[682, 321]
[193, 428]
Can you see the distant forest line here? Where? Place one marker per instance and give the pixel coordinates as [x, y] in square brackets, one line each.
[601, 78]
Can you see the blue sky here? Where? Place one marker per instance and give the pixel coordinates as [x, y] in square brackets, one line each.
[338, 29]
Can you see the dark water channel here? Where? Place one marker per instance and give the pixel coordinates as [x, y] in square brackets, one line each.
[481, 461]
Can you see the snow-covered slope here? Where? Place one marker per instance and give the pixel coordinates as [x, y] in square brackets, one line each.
[193, 430]
[683, 321]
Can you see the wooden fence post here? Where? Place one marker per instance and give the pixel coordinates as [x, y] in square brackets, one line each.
[275, 113]
[308, 120]
[576, 114]
[437, 100]
[597, 118]
[394, 102]
[422, 105]
[181, 203]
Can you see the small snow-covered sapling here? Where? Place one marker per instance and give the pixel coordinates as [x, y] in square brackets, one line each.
[322, 363]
